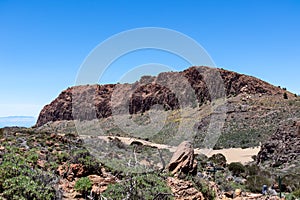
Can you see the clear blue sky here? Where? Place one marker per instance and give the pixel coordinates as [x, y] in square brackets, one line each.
[43, 43]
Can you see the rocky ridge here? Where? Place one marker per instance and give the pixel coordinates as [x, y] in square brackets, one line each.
[171, 90]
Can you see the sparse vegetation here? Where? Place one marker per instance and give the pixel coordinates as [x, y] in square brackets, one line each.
[19, 181]
[297, 193]
[140, 186]
[255, 183]
[203, 187]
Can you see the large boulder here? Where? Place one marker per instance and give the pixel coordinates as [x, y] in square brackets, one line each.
[182, 160]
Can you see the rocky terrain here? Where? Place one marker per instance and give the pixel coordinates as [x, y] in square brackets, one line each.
[280, 154]
[79, 148]
[42, 165]
[282, 147]
[253, 108]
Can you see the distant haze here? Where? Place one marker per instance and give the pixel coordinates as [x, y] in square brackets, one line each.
[21, 121]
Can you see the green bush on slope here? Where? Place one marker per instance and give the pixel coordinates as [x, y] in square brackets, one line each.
[139, 187]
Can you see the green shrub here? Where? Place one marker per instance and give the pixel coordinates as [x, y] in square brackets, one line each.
[236, 168]
[83, 156]
[252, 170]
[290, 197]
[24, 187]
[139, 187]
[83, 185]
[203, 186]
[292, 180]
[19, 181]
[297, 193]
[31, 156]
[255, 183]
[218, 159]
[201, 161]
[62, 157]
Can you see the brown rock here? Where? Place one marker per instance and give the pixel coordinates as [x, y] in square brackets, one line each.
[41, 163]
[183, 159]
[183, 190]
[100, 184]
[238, 192]
[71, 171]
[49, 143]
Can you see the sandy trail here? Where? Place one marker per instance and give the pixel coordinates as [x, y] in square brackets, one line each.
[231, 154]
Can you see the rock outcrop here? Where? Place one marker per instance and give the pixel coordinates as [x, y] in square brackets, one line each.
[183, 190]
[283, 146]
[171, 90]
[182, 160]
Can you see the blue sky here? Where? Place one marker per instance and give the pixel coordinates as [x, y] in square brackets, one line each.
[43, 43]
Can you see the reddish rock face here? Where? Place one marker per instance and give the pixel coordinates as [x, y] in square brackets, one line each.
[171, 90]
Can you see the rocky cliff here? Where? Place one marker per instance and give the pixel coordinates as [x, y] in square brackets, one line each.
[171, 90]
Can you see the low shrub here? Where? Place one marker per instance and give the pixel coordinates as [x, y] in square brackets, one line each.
[255, 183]
[297, 193]
[203, 186]
[19, 181]
[236, 168]
[139, 187]
[218, 159]
[25, 187]
[83, 185]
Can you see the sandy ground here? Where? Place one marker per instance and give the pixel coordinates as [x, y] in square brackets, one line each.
[232, 154]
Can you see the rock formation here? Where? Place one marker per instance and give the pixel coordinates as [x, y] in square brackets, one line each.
[183, 190]
[171, 90]
[182, 160]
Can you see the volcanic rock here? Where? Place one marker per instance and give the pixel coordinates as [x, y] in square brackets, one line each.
[183, 190]
[183, 159]
[171, 90]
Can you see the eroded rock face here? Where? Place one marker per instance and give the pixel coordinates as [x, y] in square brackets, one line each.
[182, 160]
[283, 146]
[170, 90]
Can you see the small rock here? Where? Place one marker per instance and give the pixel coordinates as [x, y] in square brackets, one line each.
[238, 192]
